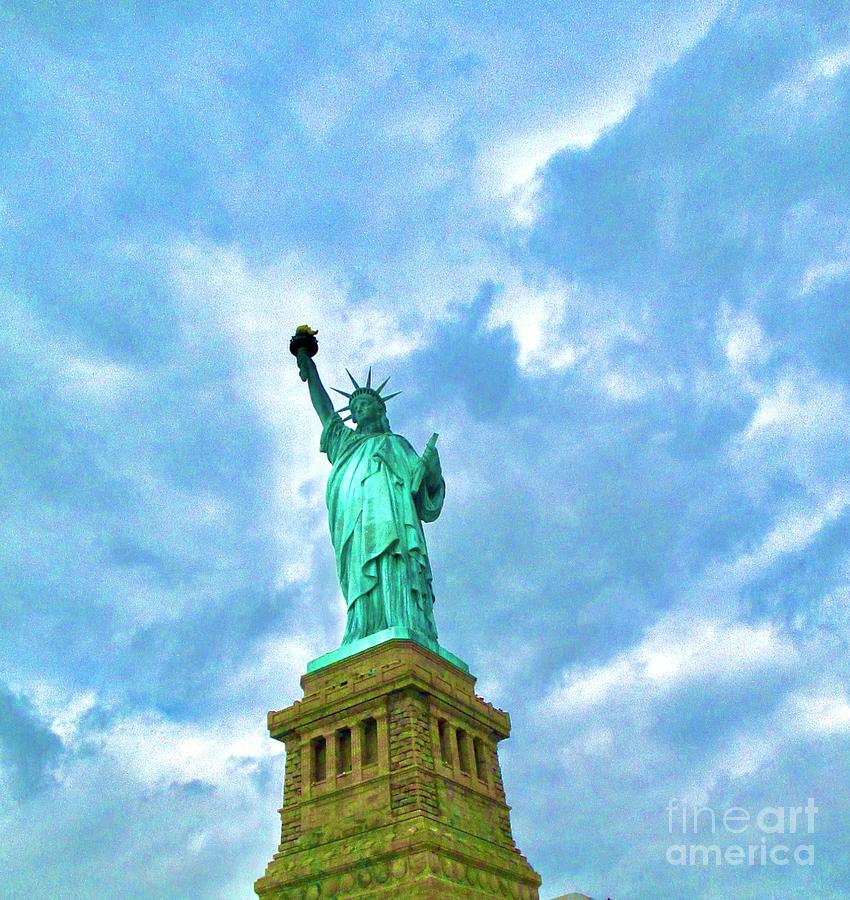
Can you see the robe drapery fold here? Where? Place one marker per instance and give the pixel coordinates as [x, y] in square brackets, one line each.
[377, 500]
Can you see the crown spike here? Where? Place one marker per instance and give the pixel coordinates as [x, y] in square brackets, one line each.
[390, 396]
[344, 393]
[383, 385]
[356, 385]
[342, 409]
[369, 378]
[346, 419]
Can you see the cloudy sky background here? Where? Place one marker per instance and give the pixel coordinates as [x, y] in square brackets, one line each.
[604, 250]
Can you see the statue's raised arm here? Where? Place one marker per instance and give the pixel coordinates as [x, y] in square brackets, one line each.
[379, 493]
[304, 347]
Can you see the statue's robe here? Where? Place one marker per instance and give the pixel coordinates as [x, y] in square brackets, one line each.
[377, 500]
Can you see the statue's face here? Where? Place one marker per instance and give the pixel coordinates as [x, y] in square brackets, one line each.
[365, 409]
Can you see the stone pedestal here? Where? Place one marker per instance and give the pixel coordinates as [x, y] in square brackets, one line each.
[393, 787]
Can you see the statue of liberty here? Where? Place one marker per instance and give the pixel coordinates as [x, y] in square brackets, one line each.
[379, 493]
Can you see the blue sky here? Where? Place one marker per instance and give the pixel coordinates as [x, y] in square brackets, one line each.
[604, 250]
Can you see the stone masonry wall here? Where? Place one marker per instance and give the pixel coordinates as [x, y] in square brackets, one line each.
[504, 813]
[290, 814]
[411, 757]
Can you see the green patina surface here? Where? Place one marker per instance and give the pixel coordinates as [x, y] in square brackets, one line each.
[380, 492]
[396, 633]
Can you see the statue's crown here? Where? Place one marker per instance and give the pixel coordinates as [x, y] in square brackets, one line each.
[372, 392]
[360, 390]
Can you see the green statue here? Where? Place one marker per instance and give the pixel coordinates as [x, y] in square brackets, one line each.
[379, 493]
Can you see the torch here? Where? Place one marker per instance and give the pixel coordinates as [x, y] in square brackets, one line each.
[303, 339]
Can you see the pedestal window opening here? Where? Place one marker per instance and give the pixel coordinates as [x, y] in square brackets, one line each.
[463, 750]
[478, 752]
[343, 751]
[318, 756]
[445, 744]
[369, 742]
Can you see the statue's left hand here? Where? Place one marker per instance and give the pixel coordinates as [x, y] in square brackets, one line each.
[431, 462]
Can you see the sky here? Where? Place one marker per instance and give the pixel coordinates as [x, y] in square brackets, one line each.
[602, 248]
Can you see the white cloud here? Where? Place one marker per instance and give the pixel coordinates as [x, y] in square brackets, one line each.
[794, 529]
[834, 610]
[581, 691]
[509, 169]
[255, 310]
[66, 722]
[794, 532]
[518, 159]
[100, 379]
[149, 747]
[743, 340]
[816, 243]
[805, 714]
[630, 385]
[678, 650]
[275, 667]
[535, 316]
[628, 695]
[806, 88]
[73, 370]
[258, 307]
[425, 123]
[560, 325]
[180, 832]
[831, 64]
[799, 427]
[222, 753]
[742, 755]
[822, 274]
[821, 714]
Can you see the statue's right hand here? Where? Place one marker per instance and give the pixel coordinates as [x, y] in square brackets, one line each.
[303, 360]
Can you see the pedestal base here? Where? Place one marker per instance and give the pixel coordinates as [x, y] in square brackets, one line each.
[396, 633]
[393, 786]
